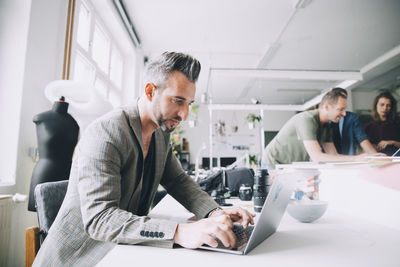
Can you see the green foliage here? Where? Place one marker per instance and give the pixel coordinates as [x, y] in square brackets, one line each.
[178, 130]
[251, 117]
[194, 108]
[253, 160]
[175, 138]
[194, 111]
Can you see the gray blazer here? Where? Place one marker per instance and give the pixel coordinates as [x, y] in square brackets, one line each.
[102, 197]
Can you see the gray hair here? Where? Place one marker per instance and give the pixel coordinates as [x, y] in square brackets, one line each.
[159, 69]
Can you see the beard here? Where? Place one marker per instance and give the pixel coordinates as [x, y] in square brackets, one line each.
[163, 124]
[162, 121]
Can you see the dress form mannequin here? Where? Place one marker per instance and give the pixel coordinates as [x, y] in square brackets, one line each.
[57, 134]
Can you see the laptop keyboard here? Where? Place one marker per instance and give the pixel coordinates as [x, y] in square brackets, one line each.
[242, 237]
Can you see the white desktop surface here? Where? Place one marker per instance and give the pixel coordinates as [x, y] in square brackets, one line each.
[336, 239]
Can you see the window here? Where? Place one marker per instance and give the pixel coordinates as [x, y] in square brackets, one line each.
[101, 49]
[114, 98]
[97, 59]
[84, 27]
[116, 68]
[101, 86]
[83, 70]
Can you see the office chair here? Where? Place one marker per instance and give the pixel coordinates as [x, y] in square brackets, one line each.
[48, 199]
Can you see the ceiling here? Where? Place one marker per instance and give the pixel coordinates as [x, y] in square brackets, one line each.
[340, 36]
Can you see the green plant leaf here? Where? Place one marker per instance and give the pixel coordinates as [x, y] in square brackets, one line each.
[251, 117]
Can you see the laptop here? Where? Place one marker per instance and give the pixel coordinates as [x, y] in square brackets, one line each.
[268, 219]
[395, 156]
[397, 153]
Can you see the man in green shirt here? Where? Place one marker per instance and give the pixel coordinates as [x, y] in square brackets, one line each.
[307, 133]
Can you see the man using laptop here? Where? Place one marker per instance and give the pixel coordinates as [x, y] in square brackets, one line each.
[307, 135]
[119, 162]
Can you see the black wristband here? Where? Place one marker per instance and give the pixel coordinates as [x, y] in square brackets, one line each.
[209, 214]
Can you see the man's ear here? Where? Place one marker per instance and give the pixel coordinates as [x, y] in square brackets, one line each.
[326, 106]
[149, 90]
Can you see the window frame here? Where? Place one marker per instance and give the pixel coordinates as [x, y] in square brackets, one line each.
[99, 73]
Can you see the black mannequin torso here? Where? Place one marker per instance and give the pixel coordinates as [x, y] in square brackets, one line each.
[57, 135]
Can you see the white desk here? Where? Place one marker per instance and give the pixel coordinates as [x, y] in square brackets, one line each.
[336, 239]
[368, 192]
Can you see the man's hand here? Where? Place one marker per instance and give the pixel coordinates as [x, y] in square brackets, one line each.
[193, 235]
[364, 156]
[236, 214]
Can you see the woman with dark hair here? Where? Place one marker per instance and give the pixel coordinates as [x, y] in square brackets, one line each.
[384, 130]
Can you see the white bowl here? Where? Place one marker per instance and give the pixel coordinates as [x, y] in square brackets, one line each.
[307, 211]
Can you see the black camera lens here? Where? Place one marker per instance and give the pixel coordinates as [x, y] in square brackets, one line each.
[258, 203]
[260, 189]
[261, 176]
[245, 192]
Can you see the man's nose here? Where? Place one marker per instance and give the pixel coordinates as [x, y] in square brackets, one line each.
[183, 112]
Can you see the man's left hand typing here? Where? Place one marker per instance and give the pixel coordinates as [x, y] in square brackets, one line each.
[236, 214]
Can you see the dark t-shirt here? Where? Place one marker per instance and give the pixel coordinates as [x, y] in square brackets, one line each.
[384, 130]
[148, 178]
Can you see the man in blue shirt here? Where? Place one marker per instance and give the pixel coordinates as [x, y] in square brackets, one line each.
[348, 133]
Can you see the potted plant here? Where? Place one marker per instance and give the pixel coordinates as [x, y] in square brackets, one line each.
[251, 119]
[194, 110]
[175, 138]
[251, 161]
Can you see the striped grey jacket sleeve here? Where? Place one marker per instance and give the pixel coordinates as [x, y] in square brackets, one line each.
[102, 156]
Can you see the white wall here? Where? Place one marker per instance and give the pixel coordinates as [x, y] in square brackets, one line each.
[14, 22]
[34, 37]
[273, 121]
[363, 100]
